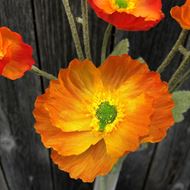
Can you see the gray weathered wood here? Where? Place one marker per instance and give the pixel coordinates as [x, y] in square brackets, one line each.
[25, 161]
[3, 183]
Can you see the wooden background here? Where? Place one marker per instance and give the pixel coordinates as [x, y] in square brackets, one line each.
[24, 162]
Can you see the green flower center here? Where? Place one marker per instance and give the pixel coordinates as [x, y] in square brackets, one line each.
[122, 3]
[106, 114]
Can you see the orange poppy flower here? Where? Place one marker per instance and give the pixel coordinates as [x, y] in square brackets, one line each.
[15, 55]
[182, 15]
[129, 14]
[90, 117]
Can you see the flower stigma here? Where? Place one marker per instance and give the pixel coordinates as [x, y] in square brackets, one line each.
[122, 3]
[106, 114]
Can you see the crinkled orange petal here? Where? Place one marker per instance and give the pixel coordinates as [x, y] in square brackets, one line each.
[88, 165]
[182, 15]
[66, 116]
[126, 136]
[74, 89]
[83, 75]
[162, 118]
[15, 56]
[149, 9]
[116, 70]
[65, 143]
[105, 4]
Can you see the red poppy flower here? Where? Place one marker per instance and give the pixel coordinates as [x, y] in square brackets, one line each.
[15, 56]
[129, 14]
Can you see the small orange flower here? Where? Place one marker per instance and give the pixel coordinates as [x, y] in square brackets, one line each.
[134, 15]
[90, 117]
[182, 15]
[15, 55]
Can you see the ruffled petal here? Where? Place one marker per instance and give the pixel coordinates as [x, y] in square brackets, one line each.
[15, 56]
[116, 70]
[149, 9]
[126, 135]
[162, 118]
[74, 90]
[71, 143]
[88, 165]
[182, 15]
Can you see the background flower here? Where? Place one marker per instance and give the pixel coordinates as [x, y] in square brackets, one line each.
[182, 15]
[91, 117]
[15, 55]
[129, 14]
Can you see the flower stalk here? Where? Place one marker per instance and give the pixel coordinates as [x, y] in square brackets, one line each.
[186, 76]
[73, 29]
[173, 51]
[181, 70]
[85, 27]
[106, 38]
[44, 74]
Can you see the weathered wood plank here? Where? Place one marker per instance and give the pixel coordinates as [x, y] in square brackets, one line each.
[171, 160]
[4, 144]
[3, 183]
[25, 162]
[182, 177]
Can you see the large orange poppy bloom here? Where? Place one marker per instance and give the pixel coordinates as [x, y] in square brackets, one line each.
[15, 55]
[182, 15]
[90, 117]
[129, 14]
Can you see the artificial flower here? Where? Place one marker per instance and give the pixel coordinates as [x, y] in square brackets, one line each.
[182, 15]
[131, 15]
[15, 55]
[90, 117]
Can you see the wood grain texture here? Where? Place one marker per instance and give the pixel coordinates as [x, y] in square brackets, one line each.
[3, 182]
[24, 160]
[169, 169]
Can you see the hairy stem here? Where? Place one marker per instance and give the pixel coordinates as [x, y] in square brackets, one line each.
[85, 27]
[44, 74]
[73, 29]
[106, 38]
[173, 52]
[179, 72]
[185, 77]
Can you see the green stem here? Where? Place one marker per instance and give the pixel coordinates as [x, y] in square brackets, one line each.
[44, 74]
[182, 50]
[85, 27]
[106, 38]
[109, 182]
[73, 29]
[182, 81]
[173, 52]
[179, 72]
